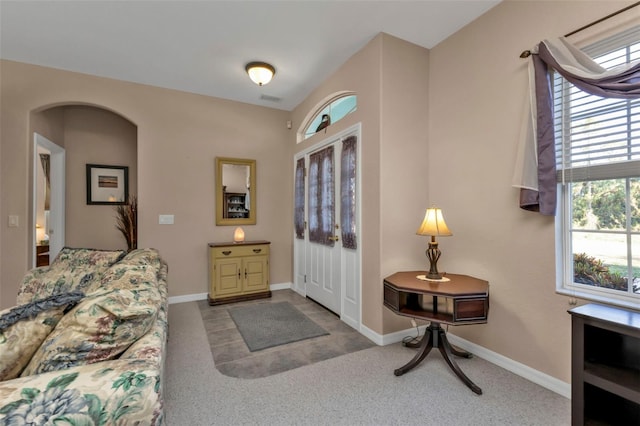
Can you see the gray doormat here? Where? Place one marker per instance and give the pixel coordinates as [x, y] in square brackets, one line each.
[267, 325]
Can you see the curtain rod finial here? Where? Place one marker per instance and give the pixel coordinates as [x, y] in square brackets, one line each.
[525, 54]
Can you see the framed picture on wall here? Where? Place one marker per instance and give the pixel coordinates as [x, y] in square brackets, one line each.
[107, 184]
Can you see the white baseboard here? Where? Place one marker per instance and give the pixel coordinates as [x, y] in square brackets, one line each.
[371, 335]
[524, 371]
[281, 286]
[204, 296]
[391, 338]
[533, 375]
[188, 298]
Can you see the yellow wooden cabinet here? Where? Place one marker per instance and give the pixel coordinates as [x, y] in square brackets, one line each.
[238, 271]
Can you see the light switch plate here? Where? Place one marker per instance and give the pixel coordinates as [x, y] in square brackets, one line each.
[14, 221]
[165, 219]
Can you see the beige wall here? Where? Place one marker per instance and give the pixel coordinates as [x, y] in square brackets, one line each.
[404, 172]
[477, 88]
[179, 135]
[49, 123]
[95, 136]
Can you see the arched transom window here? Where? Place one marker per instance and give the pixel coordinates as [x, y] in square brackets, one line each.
[331, 112]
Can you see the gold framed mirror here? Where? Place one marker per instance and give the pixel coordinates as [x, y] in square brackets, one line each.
[235, 191]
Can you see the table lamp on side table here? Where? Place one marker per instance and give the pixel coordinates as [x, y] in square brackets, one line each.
[434, 226]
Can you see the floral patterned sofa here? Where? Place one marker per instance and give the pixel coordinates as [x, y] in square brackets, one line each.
[85, 344]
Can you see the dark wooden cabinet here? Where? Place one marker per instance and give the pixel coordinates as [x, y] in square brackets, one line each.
[235, 205]
[42, 255]
[605, 366]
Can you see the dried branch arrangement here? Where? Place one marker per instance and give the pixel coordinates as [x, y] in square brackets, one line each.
[127, 221]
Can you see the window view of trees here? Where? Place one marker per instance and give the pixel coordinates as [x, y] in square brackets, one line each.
[599, 228]
[602, 204]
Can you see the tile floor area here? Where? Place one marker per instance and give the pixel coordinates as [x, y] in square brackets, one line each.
[232, 357]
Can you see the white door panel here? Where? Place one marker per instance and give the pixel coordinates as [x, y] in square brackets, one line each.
[351, 282]
[299, 266]
[330, 275]
[325, 280]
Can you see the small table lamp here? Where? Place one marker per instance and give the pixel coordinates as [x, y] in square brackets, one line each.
[238, 235]
[433, 225]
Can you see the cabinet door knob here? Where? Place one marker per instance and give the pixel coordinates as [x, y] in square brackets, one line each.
[257, 250]
[226, 252]
[334, 238]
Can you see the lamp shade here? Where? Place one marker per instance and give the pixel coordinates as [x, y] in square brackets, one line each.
[434, 224]
[260, 73]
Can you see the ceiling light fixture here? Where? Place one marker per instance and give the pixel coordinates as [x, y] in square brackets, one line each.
[260, 73]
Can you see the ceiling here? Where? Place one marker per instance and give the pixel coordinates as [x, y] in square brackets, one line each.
[203, 46]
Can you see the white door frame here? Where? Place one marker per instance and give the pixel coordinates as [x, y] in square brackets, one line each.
[56, 229]
[351, 297]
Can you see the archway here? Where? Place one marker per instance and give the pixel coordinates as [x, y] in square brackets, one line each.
[88, 134]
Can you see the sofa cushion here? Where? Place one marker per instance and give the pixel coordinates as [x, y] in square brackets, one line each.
[84, 258]
[115, 393]
[100, 327]
[36, 286]
[143, 256]
[23, 328]
[138, 269]
[72, 269]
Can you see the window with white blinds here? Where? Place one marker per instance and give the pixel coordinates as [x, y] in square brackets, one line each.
[598, 138]
[598, 171]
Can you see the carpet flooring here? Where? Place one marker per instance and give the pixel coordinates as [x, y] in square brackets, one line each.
[354, 389]
[233, 358]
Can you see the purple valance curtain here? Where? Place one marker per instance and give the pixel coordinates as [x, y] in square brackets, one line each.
[584, 73]
[299, 199]
[348, 192]
[321, 197]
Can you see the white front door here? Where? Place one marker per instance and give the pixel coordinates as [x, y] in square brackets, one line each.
[323, 272]
[324, 269]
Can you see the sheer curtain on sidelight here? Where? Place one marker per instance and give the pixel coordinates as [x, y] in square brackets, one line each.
[348, 169]
[299, 199]
[321, 197]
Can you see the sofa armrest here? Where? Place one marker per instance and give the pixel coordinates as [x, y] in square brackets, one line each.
[112, 392]
[152, 346]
